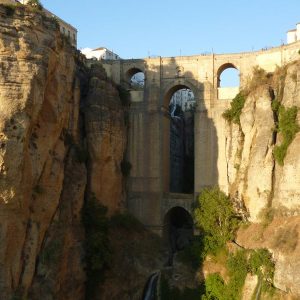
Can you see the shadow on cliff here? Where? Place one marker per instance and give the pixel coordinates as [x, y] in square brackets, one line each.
[163, 81]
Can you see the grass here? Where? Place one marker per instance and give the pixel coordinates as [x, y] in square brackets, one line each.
[233, 114]
[288, 127]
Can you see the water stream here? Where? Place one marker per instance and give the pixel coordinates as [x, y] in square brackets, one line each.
[151, 287]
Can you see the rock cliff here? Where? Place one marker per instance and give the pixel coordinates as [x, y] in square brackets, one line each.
[264, 187]
[46, 139]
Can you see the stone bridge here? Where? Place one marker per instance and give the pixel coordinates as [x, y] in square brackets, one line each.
[149, 127]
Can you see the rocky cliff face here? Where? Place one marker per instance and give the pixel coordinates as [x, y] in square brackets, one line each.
[263, 188]
[106, 140]
[43, 152]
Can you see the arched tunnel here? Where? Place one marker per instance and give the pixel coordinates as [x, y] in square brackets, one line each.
[178, 228]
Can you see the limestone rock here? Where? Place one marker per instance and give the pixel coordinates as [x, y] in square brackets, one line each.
[38, 106]
[106, 140]
[281, 237]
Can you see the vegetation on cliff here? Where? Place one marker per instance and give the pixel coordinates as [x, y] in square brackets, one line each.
[287, 126]
[233, 113]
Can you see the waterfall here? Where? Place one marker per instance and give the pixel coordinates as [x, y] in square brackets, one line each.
[151, 287]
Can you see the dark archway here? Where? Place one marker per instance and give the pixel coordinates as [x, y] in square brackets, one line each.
[135, 78]
[178, 228]
[179, 140]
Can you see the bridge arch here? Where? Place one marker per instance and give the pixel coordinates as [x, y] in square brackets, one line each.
[134, 72]
[228, 81]
[178, 228]
[178, 142]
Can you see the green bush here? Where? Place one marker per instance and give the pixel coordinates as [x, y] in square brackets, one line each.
[288, 127]
[35, 4]
[171, 293]
[125, 167]
[10, 9]
[215, 288]
[193, 254]
[258, 262]
[215, 216]
[237, 104]
[124, 95]
[126, 221]
[97, 247]
[237, 269]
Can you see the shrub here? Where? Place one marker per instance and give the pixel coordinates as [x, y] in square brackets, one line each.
[193, 254]
[288, 127]
[214, 288]
[171, 293]
[126, 220]
[35, 4]
[97, 248]
[10, 9]
[258, 262]
[125, 167]
[237, 269]
[124, 95]
[51, 252]
[215, 216]
[237, 104]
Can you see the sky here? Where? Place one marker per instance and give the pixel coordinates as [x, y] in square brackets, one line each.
[137, 29]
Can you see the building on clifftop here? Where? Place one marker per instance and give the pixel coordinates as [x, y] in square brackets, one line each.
[294, 34]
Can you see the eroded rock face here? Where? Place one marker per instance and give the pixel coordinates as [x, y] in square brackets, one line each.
[106, 140]
[250, 157]
[257, 182]
[281, 237]
[38, 107]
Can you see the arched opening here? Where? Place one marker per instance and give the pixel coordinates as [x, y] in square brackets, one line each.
[179, 140]
[228, 81]
[178, 228]
[135, 78]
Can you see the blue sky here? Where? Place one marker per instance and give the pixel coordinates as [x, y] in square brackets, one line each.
[135, 29]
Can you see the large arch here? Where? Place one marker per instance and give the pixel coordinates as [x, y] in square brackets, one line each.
[178, 228]
[185, 184]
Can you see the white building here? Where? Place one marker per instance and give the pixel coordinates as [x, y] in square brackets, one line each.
[100, 53]
[293, 35]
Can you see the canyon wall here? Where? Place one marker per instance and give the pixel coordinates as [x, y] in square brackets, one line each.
[54, 117]
[266, 190]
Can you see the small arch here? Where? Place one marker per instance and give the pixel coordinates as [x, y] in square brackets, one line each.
[228, 76]
[228, 81]
[178, 228]
[135, 78]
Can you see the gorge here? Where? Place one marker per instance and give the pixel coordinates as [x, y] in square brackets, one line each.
[86, 209]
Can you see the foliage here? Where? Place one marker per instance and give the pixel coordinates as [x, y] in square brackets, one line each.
[51, 252]
[258, 262]
[125, 167]
[126, 221]
[35, 3]
[215, 216]
[237, 269]
[97, 248]
[214, 287]
[169, 293]
[124, 95]
[193, 254]
[10, 9]
[259, 77]
[237, 104]
[288, 127]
